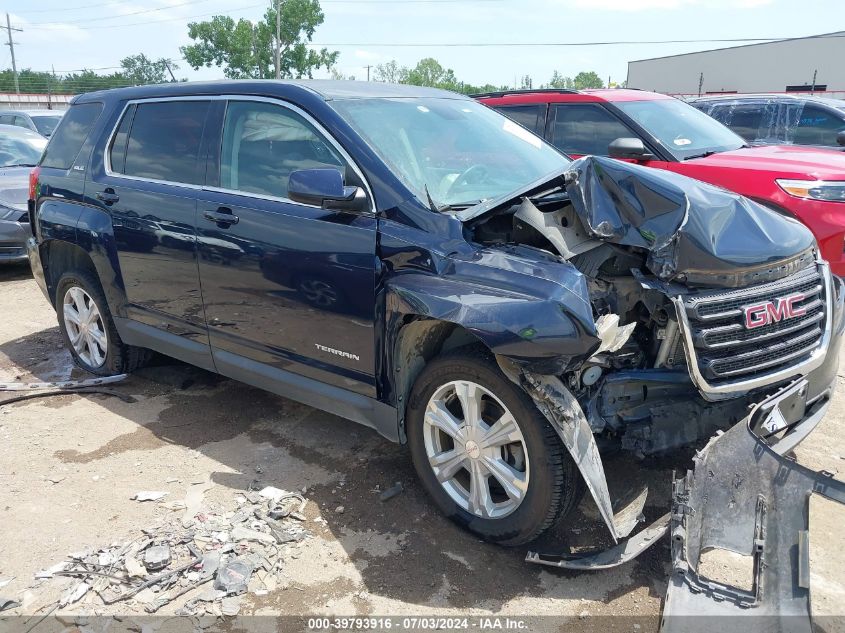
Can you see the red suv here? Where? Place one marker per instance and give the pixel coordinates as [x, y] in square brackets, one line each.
[664, 132]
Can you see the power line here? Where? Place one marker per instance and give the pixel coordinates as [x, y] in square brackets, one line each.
[123, 15]
[597, 43]
[99, 27]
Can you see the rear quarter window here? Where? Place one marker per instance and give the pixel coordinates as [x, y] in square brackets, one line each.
[70, 135]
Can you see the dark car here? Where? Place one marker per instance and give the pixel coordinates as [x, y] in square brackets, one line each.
[20, 151]
[780, 119]
[524, 309]
[42, 122]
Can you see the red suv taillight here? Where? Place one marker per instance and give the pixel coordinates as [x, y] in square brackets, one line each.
[33, 182]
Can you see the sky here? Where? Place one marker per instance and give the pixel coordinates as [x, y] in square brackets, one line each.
[73, 34]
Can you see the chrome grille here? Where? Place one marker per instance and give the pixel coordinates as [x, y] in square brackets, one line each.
[725, 350]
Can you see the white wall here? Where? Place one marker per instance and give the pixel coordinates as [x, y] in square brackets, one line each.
[12, 101]
[758, 68]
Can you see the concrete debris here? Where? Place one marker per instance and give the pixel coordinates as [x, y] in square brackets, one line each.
[74, 594]
[240, 550]
[340, 509]
[149, 495]
[5, 581]
[391, 492]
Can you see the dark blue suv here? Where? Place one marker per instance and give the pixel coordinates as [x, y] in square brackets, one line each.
[411, 260]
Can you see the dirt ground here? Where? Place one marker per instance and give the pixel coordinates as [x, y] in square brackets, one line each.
[70, 464]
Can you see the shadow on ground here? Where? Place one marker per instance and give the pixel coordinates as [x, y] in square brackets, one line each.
[205, 412]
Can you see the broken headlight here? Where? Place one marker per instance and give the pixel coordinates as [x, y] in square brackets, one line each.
[828, 190]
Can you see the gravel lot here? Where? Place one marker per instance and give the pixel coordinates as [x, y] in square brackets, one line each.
[70, 464]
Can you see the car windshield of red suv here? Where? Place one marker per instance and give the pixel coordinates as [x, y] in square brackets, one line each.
[453, 152]
[682, 130]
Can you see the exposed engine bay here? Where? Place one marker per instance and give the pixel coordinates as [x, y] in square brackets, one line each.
[650, 248]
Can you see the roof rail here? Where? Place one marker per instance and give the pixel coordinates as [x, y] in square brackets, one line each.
[525, 91]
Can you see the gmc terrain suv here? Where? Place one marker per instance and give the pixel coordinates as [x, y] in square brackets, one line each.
[411, 260]
[666, 133]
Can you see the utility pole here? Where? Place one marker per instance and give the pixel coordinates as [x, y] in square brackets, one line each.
[700, 83]
[368, 71]
[11, 46]
[167, 65]
[812, 88]
[278, 39]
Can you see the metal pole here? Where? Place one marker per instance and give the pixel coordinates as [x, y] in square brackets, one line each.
[11, 45]
[812, 88]
[278, 39]
[368, 72]
[700, 83]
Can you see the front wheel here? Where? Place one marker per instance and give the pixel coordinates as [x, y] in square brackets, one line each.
[485, 454]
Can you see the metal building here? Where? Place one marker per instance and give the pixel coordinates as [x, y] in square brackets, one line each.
[796, 65]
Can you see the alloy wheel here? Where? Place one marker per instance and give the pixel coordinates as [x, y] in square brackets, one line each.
[85, 327]
[476, 449]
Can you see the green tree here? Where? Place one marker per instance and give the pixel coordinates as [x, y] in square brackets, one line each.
[391, 72]
[526, 83]
[140, 69]
[560, 82]
[584, 80]
[247, 50]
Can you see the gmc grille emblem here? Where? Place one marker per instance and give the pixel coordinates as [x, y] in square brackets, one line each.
[767, 312]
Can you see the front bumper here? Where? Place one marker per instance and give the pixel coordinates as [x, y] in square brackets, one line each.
[747, 502]
[13, 237]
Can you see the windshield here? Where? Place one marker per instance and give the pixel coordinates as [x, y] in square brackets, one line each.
[456, 151]
[681, 129]
[46, 124]
[21, 150]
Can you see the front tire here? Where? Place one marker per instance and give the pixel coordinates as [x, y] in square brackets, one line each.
[88, 329]
[484, 453]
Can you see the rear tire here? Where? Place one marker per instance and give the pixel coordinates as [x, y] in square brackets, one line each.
[88, 329]
[526, 478]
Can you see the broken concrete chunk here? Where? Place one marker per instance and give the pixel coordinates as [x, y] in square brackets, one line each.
[73, 594]
[48, 573]
[230, 606]
[241, 533]
[134, 568]
[149, 495]
[274, 494]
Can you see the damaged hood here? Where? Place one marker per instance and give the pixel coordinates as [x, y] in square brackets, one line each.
[694, 232]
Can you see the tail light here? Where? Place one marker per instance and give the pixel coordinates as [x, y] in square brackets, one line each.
[33, 183]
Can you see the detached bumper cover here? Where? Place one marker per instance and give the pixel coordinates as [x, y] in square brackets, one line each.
[34, 256]
[746, 498]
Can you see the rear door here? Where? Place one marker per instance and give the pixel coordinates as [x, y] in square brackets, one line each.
[530, 116]
[148, 183]
[286, 286]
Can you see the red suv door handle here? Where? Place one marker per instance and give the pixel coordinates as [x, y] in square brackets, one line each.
[222, 216]
[108, 196]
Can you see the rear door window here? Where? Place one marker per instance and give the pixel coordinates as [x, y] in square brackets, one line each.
[744, 119]
[532, 117]
[163, 142]
[586, 129]
[817, 126]
[70, 134]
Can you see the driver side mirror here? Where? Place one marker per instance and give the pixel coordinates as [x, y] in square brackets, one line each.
[324, 188]
[629, 148]
[840, 138]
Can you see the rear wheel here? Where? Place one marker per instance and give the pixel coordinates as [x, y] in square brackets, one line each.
[88, 329]
[484, 453]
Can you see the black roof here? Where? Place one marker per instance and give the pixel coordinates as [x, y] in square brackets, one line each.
[325, 89]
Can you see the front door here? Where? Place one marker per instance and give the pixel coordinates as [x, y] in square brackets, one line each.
[285, 285]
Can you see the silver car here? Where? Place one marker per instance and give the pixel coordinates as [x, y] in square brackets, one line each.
[41, 121]
[20, 151]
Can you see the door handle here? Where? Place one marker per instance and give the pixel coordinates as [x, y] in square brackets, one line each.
[108, 196]
[223, 216]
